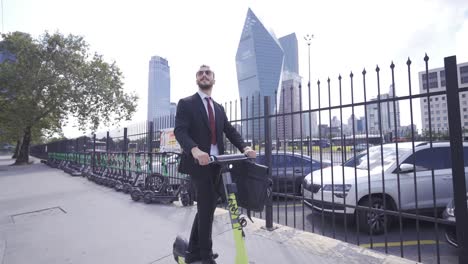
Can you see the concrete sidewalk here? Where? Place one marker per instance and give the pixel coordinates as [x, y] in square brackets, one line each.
[47, 216]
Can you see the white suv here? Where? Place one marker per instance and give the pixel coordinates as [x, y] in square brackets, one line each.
[361, 180]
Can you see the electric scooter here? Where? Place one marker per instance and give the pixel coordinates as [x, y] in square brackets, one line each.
[238, 222]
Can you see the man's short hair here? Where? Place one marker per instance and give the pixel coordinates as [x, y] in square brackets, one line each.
[206, 66]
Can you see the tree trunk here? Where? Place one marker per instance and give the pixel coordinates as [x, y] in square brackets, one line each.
[23, 156]
[17, 149]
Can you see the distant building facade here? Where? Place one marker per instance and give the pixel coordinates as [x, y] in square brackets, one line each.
[159, 88]
[438, 104]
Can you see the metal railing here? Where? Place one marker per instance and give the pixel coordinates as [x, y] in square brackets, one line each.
[341, 179]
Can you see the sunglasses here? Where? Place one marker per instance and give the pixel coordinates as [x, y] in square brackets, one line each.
[207, 73]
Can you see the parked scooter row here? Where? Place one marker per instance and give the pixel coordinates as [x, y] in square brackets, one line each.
[150, 177]
[75, 164]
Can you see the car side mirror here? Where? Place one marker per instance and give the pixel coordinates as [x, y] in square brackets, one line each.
[406, 168]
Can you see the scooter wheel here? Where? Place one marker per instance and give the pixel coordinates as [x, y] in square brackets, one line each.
[136, 196]
[126, 188]
[184, 202]
[185, 199]
[147, 198]
[243, 222]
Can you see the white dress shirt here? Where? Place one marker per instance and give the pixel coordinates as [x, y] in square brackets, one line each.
[214, 148]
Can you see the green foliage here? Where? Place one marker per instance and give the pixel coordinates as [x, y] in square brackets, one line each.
[53, 77]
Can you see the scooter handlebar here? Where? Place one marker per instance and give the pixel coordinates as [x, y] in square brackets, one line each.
[220, 159]
[227, 158]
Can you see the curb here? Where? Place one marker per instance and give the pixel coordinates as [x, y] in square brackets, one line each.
[316, 244]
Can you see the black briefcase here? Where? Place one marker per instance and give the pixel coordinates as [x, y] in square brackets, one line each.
[253, 185]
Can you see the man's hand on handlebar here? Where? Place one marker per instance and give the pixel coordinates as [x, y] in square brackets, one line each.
[202, 157]
[250, 153]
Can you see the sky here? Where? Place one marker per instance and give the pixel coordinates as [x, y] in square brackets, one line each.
[349, 36]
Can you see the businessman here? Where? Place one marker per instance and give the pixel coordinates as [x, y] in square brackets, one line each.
[199, 127]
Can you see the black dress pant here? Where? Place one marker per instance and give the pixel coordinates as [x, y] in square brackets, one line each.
[207, 182]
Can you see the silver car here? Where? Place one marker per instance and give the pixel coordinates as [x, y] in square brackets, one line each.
[361, 181]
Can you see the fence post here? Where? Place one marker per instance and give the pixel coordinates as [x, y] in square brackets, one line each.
[125, 142]
[125, 147]
[269, 203]
[94, 151]
[456, 146]
[107, 142]
[344, 148]
[150, 145]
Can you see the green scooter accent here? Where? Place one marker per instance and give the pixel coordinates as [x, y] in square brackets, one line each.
[238, 222]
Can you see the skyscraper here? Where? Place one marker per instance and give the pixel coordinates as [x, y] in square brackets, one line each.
[259, 63]
[289, 125]
[159, 88]
[386, 121]
[290, 49]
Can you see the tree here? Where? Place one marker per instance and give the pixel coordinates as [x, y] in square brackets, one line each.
[54, 77]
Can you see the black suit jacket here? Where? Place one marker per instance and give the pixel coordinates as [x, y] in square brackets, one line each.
[192, 129]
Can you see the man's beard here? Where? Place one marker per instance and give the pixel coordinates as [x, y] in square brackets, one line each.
[205, 86]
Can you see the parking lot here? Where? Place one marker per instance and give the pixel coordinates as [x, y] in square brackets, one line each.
[417, 240]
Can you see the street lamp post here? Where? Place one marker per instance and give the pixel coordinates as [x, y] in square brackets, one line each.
[308, 39]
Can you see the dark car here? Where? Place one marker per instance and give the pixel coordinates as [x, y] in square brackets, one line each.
[289, 169]
[450, 230]
[361, 147]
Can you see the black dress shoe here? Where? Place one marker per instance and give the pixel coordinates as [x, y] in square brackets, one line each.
[193, 257]
[208, 261]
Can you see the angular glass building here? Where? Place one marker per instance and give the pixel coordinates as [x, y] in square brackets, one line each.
[289, 126]
[159, 88]
[259, 64]
[291, 57]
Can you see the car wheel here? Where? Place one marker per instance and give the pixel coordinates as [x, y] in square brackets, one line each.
[299, 190]
[374, 222]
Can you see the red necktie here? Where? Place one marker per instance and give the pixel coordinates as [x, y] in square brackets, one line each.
[212, 121]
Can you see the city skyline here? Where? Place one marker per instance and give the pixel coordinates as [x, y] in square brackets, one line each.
[346, 39]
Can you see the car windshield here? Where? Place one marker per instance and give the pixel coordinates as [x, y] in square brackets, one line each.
[375, 158]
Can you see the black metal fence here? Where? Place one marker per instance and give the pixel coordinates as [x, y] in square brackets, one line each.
[371, 181]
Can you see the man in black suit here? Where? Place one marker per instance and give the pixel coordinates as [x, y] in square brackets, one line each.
[199, 127]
